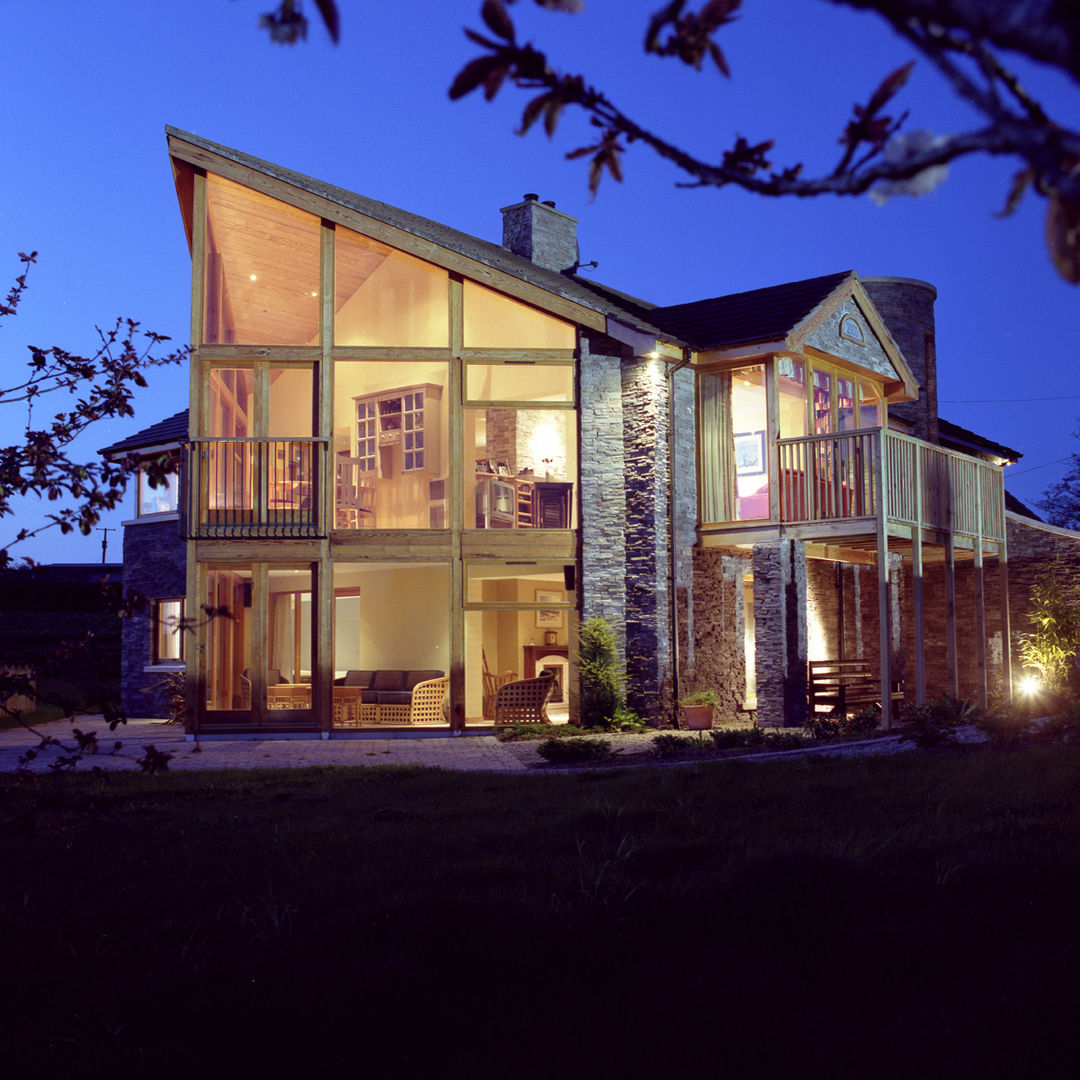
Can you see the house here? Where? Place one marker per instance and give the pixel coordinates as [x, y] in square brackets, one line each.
[416, 456]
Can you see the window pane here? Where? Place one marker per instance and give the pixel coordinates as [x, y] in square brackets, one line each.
[228, 659]
[822, 403]
[261, 276]
[291, 402]
[506, 644]
[168, 636]
[748, 413]
[845, 403]
[384, 297]
[391, 444]
[162, 499]
[519, 382]
[391, 634]
[494, 321]
[791, 377]
[869, 404]
[523, 468]
[289, 642]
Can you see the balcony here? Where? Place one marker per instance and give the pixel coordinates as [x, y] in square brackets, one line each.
[847, 486]
[244, 487]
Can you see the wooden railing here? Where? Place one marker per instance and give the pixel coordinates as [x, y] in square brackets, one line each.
[255, 487]
[859, 474]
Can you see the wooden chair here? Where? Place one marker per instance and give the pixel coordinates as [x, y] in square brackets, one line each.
[354, 496]
[492, 682]
[524, 701]
[427, 701]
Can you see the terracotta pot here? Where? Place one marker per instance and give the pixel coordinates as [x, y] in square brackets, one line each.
[698, 717]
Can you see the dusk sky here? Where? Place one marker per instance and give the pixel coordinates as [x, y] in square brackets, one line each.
[89, 88]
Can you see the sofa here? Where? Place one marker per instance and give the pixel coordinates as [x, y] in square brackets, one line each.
[398, 696]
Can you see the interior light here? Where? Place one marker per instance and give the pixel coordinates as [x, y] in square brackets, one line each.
[314, 294]
[254, 278]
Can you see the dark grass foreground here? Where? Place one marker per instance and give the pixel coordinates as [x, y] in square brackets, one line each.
[914, 916]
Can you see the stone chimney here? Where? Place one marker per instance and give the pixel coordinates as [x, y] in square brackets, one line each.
[537, 231]
[907, 308]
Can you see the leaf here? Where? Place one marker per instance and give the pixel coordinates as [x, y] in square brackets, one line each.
[472, 75]
[498, 22]
[1063, 236]
[890, 86]
[1020, 183]
[330, 17]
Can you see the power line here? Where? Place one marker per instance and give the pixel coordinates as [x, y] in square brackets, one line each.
[1008, 400]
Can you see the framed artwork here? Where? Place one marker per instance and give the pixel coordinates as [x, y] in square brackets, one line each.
[750, 453]
[550, 619]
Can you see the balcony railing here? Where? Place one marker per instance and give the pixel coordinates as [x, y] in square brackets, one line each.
[860, 474]
[255, 487]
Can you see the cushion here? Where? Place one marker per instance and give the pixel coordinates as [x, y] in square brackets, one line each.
[355, 677]
[414, 677]
[390, 679]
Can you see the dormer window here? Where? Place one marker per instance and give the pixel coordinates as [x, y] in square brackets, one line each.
[850, 330]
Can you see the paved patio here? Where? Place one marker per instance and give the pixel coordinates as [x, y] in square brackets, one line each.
[466, 753]
[471, 753]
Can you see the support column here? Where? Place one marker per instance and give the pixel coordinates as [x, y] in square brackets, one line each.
[950, 616]
[918, 630]
[1006, 641]
[980, 626]
[780, 633]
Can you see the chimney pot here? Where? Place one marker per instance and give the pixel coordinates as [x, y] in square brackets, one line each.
[550, 202]
[530, 196]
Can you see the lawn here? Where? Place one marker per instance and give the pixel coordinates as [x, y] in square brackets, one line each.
[909, 916]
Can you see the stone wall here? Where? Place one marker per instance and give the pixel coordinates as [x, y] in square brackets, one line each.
[719, 626]
[648, 617]
[155, 567]
[780, 632]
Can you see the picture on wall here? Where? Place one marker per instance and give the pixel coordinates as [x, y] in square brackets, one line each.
[550, 619]
[750, 453]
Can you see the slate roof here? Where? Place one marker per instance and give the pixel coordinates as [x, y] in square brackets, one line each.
[745, 318]
[172, 430]
[966, 439]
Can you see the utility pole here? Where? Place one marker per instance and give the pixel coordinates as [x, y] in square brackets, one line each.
[104, 541]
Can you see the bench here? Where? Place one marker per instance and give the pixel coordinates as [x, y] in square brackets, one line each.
[844, 686]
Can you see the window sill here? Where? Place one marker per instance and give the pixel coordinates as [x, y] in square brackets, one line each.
[167, 515]
[165, 666]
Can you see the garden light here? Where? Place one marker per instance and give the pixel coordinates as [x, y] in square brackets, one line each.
[1029, 685]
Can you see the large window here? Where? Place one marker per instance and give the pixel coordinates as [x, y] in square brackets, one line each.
[391, 444]
[521, 446]
[166, 631]
[520, 622]
[494, 321]
[261, 274]
[384, 297]
[159, 498]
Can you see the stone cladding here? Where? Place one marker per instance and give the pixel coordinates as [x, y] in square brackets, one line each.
[155, 568]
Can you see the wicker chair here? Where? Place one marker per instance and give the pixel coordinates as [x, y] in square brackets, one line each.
[524, 701]
[427, 701]
[347, 706]
[492, 682]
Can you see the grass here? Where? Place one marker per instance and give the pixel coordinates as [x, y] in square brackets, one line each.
[905, 916]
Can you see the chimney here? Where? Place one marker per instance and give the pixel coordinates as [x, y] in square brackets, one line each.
[907, 307]
[537, 231]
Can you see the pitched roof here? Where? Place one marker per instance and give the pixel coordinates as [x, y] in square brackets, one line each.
[173, 430]
[606, 302]
[968, 441]
[745, 318]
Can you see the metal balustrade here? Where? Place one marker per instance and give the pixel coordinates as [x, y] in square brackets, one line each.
[251, 487]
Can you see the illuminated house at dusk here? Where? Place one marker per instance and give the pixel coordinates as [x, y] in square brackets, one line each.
[414, 461]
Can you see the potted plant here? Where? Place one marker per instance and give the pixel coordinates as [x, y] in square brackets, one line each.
[698, 709]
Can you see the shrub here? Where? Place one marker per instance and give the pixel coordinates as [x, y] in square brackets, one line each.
[729, 738]
[701, 697]
[935, 722]
[863, 722]
[1054, 612]
[600, 672]
[572, 751]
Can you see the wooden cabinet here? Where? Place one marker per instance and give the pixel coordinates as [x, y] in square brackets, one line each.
[398, 431]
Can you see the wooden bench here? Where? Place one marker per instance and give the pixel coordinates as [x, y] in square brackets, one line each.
[844, 686]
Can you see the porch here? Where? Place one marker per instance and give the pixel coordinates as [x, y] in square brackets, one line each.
[899, 509]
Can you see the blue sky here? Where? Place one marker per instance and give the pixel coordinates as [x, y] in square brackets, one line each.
[85, 179]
